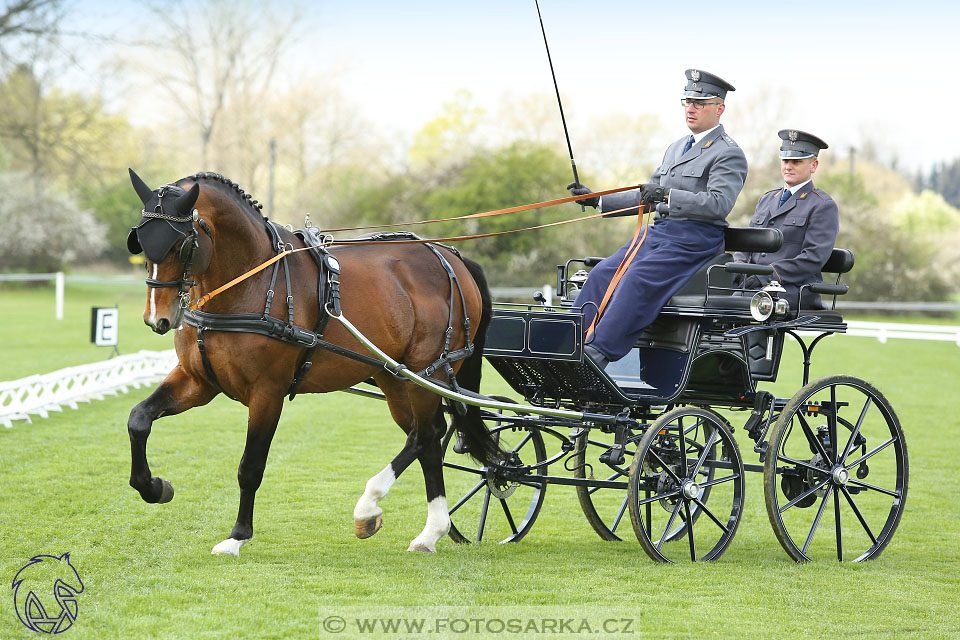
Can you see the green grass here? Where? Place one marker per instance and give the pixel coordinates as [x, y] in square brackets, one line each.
[149, 574]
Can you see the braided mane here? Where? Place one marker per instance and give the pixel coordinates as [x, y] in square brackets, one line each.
[255, 206]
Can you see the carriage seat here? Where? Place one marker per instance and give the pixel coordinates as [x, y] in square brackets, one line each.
[747, 239]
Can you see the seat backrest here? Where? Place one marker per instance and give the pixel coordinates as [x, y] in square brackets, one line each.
[840, 261]
[751, 239]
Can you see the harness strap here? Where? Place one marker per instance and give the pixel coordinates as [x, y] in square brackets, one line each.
[211, 374]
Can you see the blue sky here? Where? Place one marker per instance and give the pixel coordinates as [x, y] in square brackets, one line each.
[847, 71]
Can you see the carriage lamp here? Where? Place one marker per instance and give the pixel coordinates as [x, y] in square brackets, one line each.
[578, 278]
[781, 307]
[761, 306]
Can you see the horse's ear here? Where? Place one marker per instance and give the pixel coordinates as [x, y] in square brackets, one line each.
[140, 187]
[184, 203]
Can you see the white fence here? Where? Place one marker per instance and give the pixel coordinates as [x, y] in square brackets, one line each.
[42, 393]
[883, 331]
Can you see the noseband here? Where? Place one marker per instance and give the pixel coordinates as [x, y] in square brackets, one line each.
[187, 250]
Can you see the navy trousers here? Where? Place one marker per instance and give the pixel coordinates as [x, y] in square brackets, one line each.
[673, 251]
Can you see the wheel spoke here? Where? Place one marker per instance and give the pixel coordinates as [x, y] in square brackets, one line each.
[662, 496]
[816, 521]
[706, 451]
[804, 494]
[812, 437]
[525, 440]
[506, 512]
[867, 485]
[836, 515]
[870, 454]
[799, 463]
[693, 544]
[832, 422]
[707, 511]
[666, 467]
[613, 477]
[856, 510]
[856, 429]
[716, 481]
[623, 509]
[673, 516]
[460, 467]
[469, 495]
[682, 450]
[483, 514]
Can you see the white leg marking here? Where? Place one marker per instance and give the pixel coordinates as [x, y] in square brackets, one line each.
[229, 547]
[438, 524]
[377, 487]
[153, 299]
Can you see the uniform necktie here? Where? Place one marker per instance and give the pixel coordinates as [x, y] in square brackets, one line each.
[784, 197]
[688, 145]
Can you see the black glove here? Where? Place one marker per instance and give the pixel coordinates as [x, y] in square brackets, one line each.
[578, 189]
[652, 194]
[752, 282]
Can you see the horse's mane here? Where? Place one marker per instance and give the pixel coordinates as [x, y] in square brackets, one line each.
[245, 198]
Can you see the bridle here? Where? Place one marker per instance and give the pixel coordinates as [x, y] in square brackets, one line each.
[187, 250]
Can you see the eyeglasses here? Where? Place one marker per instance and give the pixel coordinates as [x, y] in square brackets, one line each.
[697, 104]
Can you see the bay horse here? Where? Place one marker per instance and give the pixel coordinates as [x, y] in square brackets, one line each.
[203, 231]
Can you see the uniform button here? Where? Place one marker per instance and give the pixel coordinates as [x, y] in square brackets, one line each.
[770, 223]
[762, 255]
[673, 173]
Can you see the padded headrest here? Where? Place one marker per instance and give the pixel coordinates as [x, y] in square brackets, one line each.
[751, 239]
[840, 261]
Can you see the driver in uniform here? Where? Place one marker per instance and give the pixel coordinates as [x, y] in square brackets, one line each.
[693, 191]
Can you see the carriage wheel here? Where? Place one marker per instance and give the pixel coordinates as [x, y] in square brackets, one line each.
[604, 508]
[491, 502]
[837, 441]
[686, 456]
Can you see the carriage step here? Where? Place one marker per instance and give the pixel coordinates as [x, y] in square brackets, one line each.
[613, 455]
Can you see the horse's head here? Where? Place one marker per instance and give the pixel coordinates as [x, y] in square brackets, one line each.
[167, 235]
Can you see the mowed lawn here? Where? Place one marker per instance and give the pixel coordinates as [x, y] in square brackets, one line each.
[148, 572]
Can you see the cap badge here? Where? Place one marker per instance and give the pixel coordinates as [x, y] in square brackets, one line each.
[793, 136]
[695, 75]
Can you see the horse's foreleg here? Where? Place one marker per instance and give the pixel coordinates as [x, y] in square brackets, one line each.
[177, 393]
[431, 461]
[263, 418]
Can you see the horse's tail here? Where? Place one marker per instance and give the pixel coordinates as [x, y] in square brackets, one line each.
[473, 432]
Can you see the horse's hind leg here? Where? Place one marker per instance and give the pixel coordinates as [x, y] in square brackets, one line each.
[431, 461]
[264, 414]
[177, 393]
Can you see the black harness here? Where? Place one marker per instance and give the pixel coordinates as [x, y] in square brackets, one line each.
[328, 301]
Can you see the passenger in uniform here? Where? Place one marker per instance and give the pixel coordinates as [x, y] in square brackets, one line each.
[807, 217]
[693, 191]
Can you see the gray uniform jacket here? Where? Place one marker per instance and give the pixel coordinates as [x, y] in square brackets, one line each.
[704, 182]
[809, 221]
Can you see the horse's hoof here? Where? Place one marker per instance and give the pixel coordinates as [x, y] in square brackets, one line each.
[368, 526]
[166, 495]
[229, 547]
[420, 548]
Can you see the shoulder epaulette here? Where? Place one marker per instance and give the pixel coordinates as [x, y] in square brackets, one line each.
[728, 140]
[817, 191]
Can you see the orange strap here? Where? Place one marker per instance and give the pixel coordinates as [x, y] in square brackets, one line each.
[499, 212]
[202, 300]
[622, 269]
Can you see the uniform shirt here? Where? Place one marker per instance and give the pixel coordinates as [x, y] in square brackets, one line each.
[704, 182]
[809, 221]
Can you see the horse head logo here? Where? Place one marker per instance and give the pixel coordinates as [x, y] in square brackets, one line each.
[45, 593]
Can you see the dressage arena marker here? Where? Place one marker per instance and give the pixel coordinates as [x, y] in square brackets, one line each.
[42, 393]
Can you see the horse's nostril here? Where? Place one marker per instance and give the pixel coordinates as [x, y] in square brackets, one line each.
[163, 325]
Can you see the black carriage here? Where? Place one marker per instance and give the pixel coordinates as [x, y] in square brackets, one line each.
[645, 439]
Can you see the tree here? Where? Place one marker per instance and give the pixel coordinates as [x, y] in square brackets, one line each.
[44, 232]
[23, 21]
[217, 65]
